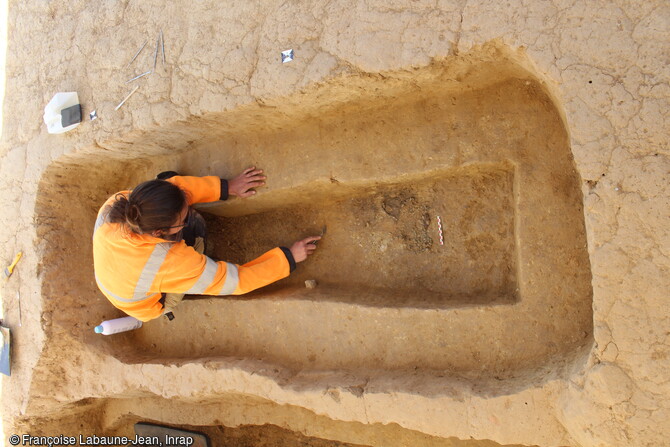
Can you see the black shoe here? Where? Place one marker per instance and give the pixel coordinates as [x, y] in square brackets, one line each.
[166, 175]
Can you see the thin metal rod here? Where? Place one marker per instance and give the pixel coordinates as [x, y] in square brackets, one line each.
[156, 52]
[126, 98]
[138, 53]
[163, 46]
[138, 76]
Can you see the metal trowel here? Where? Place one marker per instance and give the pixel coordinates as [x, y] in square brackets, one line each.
[323, 231]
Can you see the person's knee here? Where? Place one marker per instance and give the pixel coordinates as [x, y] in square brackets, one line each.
[199, 245]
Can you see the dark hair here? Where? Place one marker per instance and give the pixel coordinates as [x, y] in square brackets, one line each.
[152, 205]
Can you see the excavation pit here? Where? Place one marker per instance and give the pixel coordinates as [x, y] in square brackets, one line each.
[382, 243]
[482, 145]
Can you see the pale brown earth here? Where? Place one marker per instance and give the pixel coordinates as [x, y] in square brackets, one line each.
[536, 130]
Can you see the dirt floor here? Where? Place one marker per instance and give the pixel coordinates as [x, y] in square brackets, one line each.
[273, 436]
[254, 436]
[265, 436]
[380, 268]
[121, 415]
[390, 299]
[537, 132]
[386, 238]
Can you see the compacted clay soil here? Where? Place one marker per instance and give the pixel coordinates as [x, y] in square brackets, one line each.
[386, 238]
[494, 164]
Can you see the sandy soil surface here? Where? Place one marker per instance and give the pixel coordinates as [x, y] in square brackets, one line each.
[537, 130]
[381, 268]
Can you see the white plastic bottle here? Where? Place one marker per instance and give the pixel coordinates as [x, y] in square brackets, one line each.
[118, 325]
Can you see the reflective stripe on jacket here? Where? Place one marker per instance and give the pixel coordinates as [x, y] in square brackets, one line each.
[132, 270]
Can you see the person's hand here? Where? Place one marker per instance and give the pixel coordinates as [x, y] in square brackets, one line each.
[301, 249]
[242, 185]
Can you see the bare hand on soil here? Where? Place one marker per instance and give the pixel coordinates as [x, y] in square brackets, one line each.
[242, 185]
[301, 249]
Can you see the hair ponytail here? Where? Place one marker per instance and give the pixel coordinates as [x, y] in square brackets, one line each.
[152, 205]
[116, 212]
[133, 215]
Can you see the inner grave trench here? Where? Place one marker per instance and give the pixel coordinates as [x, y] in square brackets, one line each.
[382, 243]
[518, 298]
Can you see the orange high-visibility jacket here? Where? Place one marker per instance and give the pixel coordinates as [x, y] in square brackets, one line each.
[132, 270]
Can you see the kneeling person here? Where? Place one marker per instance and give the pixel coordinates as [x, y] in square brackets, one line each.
[148, 246]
